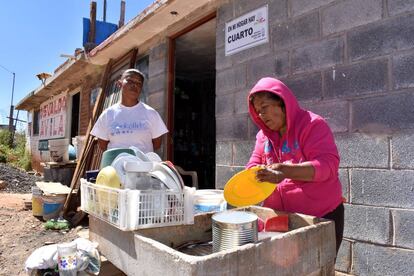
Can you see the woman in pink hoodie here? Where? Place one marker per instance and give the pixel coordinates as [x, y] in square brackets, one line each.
[299, 152]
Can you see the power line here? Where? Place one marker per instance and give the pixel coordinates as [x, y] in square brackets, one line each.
[6, 69]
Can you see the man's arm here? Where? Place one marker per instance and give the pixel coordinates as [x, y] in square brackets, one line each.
[156, 142]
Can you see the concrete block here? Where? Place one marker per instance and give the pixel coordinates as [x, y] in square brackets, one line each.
[224, 173]
[278, 11]
[157, 100]
[157, 83]
[383, 188]
[384, 114]
[400, 6]
[252, 53]
[157, 66]
[242, 150]
[318, 55]
[232, 128]
[336, 113]
[220, 36]
[402, 146]
[222, 62]
[231, 79]
[403, 71]
[344, 179]
[240, 101]
[381, 38]
[259, 68]
[253, 129]
[62, 175]
[365, 223]
[306, 87]
[403, 228]
[302, 6]
[157, 52]
[358, 150]
[224, 105]
[343, 260]
[369, 259]
[225, 13]
[299, 31]
[358, 79]
[282, 64]
[224, 153]
[244, 6]
[336, 18]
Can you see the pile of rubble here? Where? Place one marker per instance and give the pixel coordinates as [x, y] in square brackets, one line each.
[16, 180]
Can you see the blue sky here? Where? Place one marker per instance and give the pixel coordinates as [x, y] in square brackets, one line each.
[35, 33]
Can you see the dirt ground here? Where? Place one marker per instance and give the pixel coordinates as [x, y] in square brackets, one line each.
[21, 233]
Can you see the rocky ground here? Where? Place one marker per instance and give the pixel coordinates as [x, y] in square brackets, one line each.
[16, 180]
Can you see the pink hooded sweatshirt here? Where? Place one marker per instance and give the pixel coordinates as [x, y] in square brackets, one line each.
[307, 138]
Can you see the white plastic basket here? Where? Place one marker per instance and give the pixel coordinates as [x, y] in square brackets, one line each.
[130, 210]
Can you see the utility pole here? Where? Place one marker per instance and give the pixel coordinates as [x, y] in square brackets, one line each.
[122, 15]
[104, 11]
[11, 126]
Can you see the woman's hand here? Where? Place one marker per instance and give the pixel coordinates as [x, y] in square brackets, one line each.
[271, 173]
[276, 173]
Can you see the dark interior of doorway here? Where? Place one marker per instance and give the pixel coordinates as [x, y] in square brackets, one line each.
[74, 128]
[194, 136]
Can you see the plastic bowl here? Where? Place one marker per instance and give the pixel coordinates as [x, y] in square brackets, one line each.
[109, 155]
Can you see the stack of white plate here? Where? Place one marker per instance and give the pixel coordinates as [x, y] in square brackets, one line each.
[145, 171]
[232, 229]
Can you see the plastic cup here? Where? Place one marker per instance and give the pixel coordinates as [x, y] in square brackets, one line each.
[67, 260]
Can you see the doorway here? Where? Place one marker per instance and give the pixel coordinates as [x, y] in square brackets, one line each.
[194, 124]
[74, 127]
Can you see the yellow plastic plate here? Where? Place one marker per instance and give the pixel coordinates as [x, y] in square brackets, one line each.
[243, 189]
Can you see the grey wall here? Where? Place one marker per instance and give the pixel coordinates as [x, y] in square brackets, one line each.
[351, 61]
[157, 85]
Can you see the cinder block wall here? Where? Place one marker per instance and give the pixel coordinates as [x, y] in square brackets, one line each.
[157, 85]
[351, 61]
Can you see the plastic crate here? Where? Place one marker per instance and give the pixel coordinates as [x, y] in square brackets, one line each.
[137, 209]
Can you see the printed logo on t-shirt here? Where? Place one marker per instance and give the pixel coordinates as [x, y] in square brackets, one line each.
[117, 128]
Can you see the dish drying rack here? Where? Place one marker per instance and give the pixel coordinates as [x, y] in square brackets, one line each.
[130, 210]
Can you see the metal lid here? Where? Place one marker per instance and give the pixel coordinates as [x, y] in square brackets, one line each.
[234, 217]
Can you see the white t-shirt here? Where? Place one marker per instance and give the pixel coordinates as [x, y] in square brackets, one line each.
[125, 126]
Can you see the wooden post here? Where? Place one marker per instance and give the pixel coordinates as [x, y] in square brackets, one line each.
[92, 26]
[122, 16]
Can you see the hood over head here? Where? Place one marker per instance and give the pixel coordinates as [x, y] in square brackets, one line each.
[277, 87]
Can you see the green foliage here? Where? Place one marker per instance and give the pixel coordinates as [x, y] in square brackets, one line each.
[5, 136]
[16, 156]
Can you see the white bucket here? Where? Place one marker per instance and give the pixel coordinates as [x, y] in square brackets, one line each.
[58, 149]
[209, 201]
[78, 142]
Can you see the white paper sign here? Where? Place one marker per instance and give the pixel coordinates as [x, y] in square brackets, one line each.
[246, 31]
[52, 118]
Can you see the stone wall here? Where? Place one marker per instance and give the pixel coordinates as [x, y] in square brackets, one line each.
[351, 61]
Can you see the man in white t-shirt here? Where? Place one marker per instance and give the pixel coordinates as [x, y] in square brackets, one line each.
[131, 122]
